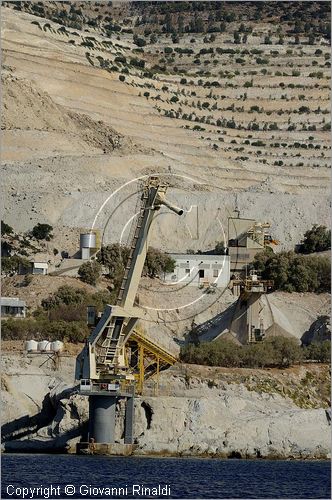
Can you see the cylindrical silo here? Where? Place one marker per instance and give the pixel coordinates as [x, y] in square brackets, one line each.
[102, 418]
[87, 244]
[87, 240]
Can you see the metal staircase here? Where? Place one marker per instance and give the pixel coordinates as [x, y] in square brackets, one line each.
[109, 350]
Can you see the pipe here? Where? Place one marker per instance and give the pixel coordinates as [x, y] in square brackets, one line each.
[161, 200]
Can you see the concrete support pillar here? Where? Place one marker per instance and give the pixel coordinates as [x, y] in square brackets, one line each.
[102, 418]
[129, 422]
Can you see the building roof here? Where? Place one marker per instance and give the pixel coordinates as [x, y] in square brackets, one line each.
[198, 256]
[12, 301]
[40, 265]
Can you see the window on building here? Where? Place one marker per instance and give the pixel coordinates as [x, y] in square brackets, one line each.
[215, 273]
[201, 273]
[188, 271]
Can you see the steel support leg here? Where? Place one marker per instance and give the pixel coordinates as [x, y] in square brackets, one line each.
[129, 421]
[102, 418]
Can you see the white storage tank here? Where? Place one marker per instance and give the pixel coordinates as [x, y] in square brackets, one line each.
[48, 346]
[87, 244]
[31, 345]
[87, 240]
[44, 345]
[56, 346]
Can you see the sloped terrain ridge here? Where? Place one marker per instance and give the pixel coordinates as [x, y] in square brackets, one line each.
[237, 99]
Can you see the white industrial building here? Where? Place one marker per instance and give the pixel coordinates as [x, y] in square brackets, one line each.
[200, 270]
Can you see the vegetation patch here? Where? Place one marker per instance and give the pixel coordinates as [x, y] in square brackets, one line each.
[277, 352]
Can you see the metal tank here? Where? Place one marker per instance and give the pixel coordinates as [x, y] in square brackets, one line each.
[44, 345]
[87, 245]
[56, 346]
[31, 345]
[87, 240]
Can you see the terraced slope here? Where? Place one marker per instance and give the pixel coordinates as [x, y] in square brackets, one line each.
[243, 111]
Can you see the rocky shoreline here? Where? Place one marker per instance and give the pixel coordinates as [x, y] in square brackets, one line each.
[43, 412]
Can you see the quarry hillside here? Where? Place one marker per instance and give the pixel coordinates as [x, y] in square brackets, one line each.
[231, 104]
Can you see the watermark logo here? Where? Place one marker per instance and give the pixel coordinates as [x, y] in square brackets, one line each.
[200, 276]
[88, 491]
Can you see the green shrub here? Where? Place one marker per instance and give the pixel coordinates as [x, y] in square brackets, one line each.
[278, 352]
[90, 272]
[11, 265]
[262, 60]
[219, 248]
[69, 304]
[295, 273]
[286, 351]
[40, 329]
[158, 262]
[42, 232]
[319, 351]
[140, 42]
[115, 258]
[6, 229]
[65, 295]
[316, 239]
[28, 278]
[237, 37]
[121, 59]
[304, 109]
[138, 63]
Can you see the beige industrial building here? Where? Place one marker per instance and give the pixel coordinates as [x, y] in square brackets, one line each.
[246, 238]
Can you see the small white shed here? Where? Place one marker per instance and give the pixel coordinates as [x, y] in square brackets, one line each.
[39, 268]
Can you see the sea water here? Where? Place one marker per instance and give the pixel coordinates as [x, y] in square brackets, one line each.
[68, 476]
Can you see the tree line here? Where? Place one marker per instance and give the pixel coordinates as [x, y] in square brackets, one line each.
[280, 352]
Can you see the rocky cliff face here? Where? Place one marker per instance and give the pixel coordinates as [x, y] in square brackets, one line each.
[194, 418]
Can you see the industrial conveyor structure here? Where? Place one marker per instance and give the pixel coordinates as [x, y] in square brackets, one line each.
[147, 359]
[248, 321]
[104, 369]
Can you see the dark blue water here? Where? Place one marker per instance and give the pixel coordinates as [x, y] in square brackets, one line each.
[185, 477]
